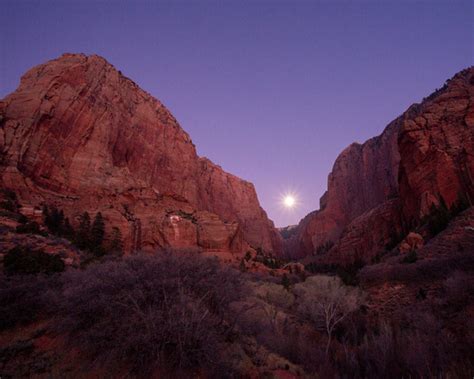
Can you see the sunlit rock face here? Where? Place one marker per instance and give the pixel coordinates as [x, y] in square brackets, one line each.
[390, 182]
[78, 134]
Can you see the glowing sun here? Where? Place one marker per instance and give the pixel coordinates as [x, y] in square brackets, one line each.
[289, 201]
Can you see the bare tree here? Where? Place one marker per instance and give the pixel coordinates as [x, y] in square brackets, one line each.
[327, 302]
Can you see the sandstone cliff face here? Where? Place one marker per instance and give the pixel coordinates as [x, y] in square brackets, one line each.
[232, 198]
[363, 177]
[376, 189]
[78, 134]
[436, 143]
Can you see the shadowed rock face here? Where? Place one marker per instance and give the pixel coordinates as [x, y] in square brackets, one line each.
[378, 188]
[78, 134]
[362, 178]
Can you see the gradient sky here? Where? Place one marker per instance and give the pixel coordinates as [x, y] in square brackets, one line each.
[270, 90]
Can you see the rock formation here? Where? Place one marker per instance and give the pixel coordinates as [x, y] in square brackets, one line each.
[362, 178]
[380, 188]
[436, 144]
[79, 135]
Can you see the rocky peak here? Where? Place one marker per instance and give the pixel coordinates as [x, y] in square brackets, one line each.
[78, 133]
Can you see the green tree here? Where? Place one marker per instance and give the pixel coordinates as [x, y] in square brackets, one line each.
[116, 244]
[68, 230]
[83, 240]
[98, 230]
[56, 220]
[53, 219]
[438, 218]
[46, 216]
[97, 234]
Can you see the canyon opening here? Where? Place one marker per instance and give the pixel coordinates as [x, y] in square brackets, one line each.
[236, 189]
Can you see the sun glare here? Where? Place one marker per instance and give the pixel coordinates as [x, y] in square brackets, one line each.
[289, 201]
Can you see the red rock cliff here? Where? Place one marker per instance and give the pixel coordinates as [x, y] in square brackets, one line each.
[378, 188]
[78, 134]
[363, 177]
[436, 143]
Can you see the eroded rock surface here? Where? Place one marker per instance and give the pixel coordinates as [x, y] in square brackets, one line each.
[78, 134]
[436, 143]
[389, 184]
[363, 177]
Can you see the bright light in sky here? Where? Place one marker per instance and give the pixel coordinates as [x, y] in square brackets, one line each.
[289, 201]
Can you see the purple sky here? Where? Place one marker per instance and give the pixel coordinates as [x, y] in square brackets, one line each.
[271, 91]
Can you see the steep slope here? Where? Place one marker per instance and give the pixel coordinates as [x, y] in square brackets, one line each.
[379, 189]
[394, 283]
[436, 144]
[363, 177]
[78, 134]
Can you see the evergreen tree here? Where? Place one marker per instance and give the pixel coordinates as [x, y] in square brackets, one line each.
[46, 216]
[97, 234]
[83, 239]
[461, 204]
[53, 219]
[116, 244]
[60, 221]
[68, 230]
[98, 229]
[438, 219]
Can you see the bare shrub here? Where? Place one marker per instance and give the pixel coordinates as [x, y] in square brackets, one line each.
[327, 302]
[22, 260]
[416, 346]
[378, 350]
[24, 299]
[459, 287]
[169, 310]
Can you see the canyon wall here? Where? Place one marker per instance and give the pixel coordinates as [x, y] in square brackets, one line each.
[436, 144]
[363, 177]
[79, 135]
[383, 187]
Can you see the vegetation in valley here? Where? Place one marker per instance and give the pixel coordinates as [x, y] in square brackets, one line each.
[288, 232]
[267, 259]
[180, 314]
[348, 273]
